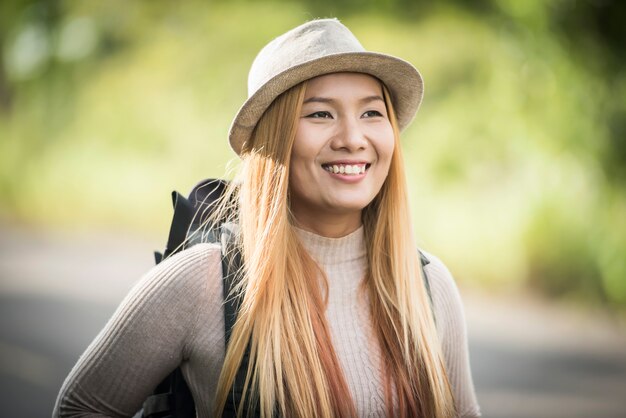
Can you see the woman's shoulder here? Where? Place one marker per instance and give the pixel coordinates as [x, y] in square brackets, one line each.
[181, 292]
[446, 299]
[439, 276]
[451, 327]
[188, 273]
[195, 260]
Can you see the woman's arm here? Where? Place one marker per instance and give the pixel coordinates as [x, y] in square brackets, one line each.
[450, 319]
[144, 340]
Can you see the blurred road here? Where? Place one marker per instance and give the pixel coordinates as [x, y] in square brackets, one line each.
[529, 358]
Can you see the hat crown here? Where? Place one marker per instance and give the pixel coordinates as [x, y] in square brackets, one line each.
[307, 42]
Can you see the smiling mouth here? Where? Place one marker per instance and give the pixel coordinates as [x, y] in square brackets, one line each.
[346, 169]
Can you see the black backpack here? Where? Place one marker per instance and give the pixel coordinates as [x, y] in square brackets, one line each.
[172, 397]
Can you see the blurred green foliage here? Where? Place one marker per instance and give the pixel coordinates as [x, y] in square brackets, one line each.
[517, 159]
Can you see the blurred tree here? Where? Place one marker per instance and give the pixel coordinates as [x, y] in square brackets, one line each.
[594, 32]
[602, 20]
[15, 15]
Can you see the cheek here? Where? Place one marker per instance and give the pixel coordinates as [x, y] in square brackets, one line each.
[300, 167]
[300, 150]
[301, 159]
[385, 145]
[295, 172]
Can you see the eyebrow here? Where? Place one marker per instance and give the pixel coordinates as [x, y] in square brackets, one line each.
[316, 99]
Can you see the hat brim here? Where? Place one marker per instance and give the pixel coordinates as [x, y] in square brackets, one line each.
[404, 82]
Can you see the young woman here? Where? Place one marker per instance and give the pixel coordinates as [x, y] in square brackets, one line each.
[336, 319]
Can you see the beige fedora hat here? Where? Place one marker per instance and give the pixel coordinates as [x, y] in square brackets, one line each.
[315, 48]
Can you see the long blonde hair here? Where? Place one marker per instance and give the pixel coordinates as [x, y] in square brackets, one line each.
[293, 368]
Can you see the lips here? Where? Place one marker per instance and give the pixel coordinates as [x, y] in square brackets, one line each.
[346, 168]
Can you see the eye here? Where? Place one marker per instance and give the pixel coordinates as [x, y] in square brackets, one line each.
[372, 114]
[320, 115]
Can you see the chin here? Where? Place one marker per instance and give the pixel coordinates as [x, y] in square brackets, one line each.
[349, 206]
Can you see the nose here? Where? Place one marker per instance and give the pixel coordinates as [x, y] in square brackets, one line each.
[350, 136]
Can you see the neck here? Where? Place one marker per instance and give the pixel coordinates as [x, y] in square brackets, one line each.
[331, 227]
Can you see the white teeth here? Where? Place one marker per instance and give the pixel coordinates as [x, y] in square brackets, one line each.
[346, 169]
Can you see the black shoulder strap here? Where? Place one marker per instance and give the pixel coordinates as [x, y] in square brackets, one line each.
[424, 261]
[183, 214]
[231, 268]
[171, 399]
[231, 263]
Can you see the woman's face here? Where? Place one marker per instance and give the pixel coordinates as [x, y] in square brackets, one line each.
[342, 150]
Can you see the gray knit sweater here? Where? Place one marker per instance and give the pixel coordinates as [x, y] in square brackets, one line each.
[174, 316]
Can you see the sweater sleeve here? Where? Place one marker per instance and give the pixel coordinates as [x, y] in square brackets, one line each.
[452, 330]
[144, 340]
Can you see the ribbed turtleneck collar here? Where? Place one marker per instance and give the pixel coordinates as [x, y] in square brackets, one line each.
[329, 251]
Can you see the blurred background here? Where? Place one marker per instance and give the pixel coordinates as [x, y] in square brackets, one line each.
[517, 171]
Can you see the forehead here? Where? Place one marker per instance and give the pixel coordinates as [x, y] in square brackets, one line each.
[343, 84]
